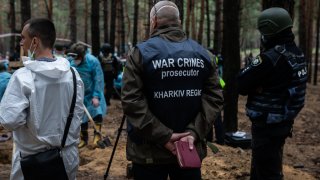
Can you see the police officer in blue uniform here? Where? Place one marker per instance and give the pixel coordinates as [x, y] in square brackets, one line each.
[275, 83]
[170, 92]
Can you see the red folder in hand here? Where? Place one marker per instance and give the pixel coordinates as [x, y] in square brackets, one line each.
[187, 158]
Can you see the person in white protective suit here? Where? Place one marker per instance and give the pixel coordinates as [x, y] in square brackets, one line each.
[36, 103]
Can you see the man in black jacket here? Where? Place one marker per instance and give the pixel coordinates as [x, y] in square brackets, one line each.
[275, 82]
[170, 92]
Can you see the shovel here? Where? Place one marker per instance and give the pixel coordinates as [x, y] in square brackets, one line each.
[105, 141]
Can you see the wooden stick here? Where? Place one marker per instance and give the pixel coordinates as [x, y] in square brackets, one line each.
[90, 119]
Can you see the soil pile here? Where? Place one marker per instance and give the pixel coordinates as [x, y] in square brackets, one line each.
[301, 153]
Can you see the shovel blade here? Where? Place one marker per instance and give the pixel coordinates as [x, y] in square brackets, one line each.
[107, 142]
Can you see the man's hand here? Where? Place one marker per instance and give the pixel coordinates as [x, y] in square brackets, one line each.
[175, 137]
[190, 140]
[95, 102]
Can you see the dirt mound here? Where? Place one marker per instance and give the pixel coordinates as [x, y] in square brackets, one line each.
[301, 153]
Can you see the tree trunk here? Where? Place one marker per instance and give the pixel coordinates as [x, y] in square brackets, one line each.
[147, 34]
[113, 24]
[231, 66]
[188, 18]
[217, 28]
[208, 24]
[122, 31]
[12, 24]
[86, 14]
[179, 3]
[95, 30]
[302, 26]
[1, 31]
[286, 4]
[106, 20]
[73, 21]
[118, 26]
[25, 11]
[135, 22]
[304, 38]
[128, 32]
[201, 22]
[49, 8]
[309, 35]
[315, 76]
[193, 20]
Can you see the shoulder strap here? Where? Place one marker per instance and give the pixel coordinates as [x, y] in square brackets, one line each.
[273, 55]
[66, 130]
[291, 58]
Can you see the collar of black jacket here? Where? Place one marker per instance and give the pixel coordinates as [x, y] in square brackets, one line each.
[170, 32]
[285, 37]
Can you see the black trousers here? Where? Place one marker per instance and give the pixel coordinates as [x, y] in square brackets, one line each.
[267, 150]
[218, 130]
[108, 81]
[161, 172]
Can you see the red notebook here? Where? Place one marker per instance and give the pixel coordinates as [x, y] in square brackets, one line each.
[187, 158]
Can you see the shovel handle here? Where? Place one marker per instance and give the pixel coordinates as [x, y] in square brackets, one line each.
[90, 118]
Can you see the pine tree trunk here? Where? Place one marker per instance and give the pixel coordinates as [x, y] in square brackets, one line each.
[1, 31]
[128, 23]
[188, 18]
[231, 58]
[95, 30]
[12, 24]
[122, 31]
[315, 76]
[147, 30]
[201, 22]
[106, 20]
[208, 24]
[193, 20]
[25, 11]
[86, 12]
[135, 22]
[309, 35]
[113, 24]
[49, 8]
[73, 21]
[286, 4]
[217, 28]
[179, 3]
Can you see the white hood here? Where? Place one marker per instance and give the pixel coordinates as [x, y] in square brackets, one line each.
[55, 69]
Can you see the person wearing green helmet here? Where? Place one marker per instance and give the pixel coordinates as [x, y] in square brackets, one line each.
[275, 83]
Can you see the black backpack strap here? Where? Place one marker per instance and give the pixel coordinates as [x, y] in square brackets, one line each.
[66, 129]
[273, 55]
[291, 58]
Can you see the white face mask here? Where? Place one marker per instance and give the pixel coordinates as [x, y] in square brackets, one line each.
[31, 55]
[77, 62]
[25, 58]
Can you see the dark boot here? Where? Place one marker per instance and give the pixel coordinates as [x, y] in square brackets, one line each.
[97, 136]
[83, 135]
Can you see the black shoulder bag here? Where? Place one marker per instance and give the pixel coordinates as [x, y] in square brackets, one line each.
[49, 164]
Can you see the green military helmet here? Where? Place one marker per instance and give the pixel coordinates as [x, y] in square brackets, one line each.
[274, 20]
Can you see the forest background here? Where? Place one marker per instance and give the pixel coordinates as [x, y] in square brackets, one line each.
[227, 26]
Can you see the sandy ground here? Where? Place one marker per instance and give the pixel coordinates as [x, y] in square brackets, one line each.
[301, 153]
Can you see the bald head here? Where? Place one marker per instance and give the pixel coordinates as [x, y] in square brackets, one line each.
[164, 13]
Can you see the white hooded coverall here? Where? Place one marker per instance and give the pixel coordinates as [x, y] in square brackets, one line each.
[35, 106]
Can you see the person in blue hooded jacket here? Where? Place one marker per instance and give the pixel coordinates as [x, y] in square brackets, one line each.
[4, 78]
[91, 74]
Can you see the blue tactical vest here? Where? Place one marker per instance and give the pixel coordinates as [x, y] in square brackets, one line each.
[281, 103]
[174, 76]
